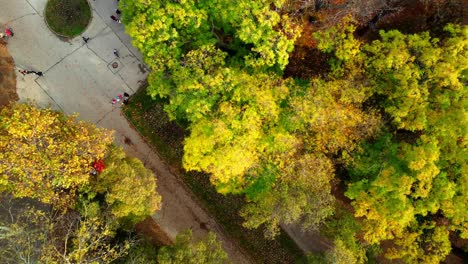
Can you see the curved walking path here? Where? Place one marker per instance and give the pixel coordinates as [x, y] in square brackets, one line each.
[78, 78]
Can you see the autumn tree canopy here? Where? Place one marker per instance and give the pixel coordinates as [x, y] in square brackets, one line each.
[390, 115]
[185, 250]
[128, 187]
[217, 63]
[47, 155]
[31, 232]
[409, 182]
[70, 214]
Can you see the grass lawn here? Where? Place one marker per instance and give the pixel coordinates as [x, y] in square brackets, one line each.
[166, 137]
[68, 18]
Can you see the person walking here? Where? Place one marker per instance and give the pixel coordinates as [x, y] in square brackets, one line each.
[116, 53]
[38, 73]
[115, 19]
[126, 96]
[24, 72]
[9, 32]
[85, 39]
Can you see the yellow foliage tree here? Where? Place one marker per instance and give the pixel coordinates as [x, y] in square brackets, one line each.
[129, 188]
[45, 154]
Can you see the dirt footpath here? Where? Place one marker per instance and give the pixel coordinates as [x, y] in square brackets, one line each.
[7, 76]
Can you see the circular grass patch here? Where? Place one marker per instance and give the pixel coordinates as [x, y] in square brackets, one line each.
[68, 18]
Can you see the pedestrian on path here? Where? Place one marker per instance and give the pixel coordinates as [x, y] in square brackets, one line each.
[38, 73]
[24, 72]
[116, 53]
[118, 12]
[115, 19]
[85, 39]
[126, 96]
[9, 32]
[117, 99]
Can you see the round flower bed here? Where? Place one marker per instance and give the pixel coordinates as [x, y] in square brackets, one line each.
[67, 18]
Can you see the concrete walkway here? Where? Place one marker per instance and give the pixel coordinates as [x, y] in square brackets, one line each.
[78, 78]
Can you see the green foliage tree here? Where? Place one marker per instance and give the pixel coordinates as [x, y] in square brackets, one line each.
[253, 23]
[227, 141]
[428, 243]
[45, 154]
[413, 71]
[302, 191]
[170, 33]
[341, 254]
[242, 122]
[295, 180]
[184, 250]
[165, 30]
[258, 134]
[402, 182]
[346, 49]
[345, 230]
[244, 130]
[403, 185]
[331, 116]
[142, 252]
[209, 64]
[129, 188]
[253, 30]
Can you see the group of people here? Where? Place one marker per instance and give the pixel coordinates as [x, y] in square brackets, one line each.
[124, 98]
[115, 18]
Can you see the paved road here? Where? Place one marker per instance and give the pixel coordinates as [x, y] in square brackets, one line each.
[78, 78]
